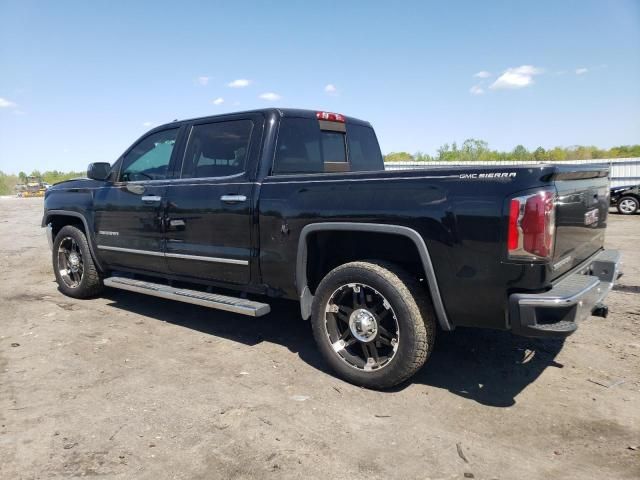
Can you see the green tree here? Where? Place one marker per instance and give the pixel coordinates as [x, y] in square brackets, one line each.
[56, 176]
[540, 154]
[557, 154]
[398, 157]
[448, 153]
[474, 149]
[7, 183]
[422, 157]
[520, 153]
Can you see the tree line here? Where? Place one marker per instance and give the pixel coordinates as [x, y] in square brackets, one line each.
[473, 149]
[8, 182]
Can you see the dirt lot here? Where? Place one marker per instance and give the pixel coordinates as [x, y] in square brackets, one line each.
[128, 386]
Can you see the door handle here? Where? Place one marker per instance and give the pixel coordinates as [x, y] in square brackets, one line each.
[151, 198]
[233, 198]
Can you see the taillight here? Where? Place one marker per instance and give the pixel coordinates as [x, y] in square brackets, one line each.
[532, 222]
[330, 117]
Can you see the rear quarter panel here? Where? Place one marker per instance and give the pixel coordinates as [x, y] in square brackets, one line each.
[460, 218]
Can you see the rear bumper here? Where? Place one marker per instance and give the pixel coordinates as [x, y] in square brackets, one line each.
[557, 312]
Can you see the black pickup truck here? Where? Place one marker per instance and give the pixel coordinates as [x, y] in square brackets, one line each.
[296, 204]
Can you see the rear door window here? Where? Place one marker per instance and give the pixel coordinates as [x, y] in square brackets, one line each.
[217, 149]
[298, 149]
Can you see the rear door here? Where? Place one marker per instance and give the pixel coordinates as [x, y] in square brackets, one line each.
[210, 208]
[128, 212]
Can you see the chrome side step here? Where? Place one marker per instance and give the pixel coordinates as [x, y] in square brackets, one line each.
[211, 300]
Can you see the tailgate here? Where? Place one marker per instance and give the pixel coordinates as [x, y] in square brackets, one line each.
[581, 214]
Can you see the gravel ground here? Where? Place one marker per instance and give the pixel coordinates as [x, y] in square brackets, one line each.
[128, 386]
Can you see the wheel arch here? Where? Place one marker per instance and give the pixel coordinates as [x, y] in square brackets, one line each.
[52, 215]
[634, 195]
[302, 285]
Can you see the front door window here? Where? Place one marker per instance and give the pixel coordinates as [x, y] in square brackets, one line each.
[149, 159]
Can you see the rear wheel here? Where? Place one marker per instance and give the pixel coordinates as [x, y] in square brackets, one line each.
[373, 323]
[628, 205]
[75, 271]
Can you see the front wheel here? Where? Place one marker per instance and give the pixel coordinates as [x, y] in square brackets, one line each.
[628, 205]
[75, 271]
[373, 323]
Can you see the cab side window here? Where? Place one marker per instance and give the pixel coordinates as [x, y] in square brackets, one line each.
[149, 159]
[217, 149]
[364, 151]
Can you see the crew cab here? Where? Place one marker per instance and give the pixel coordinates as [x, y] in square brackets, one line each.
[231, 210]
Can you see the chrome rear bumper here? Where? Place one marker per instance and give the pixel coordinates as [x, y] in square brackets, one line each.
[557, 312]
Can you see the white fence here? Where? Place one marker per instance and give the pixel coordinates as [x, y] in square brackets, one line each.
[624, 171]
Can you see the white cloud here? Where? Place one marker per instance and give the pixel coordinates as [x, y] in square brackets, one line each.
[4, 103]
[147, 124]
[239, 83]
[270, 96]
[482, 74]
[331, 89]
[476, 90]
[581, 71]
[516, 77]
[218, 101]
[203, 80]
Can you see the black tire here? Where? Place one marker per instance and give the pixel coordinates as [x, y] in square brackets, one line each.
[628, 205]
[77, 280]
[406, 302]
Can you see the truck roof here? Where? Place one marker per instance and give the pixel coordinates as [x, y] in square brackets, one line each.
[267, 112]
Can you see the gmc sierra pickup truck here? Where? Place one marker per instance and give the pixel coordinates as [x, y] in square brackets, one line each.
[296, 204]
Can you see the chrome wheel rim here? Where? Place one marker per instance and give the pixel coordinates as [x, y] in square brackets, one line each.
[628, 206]
[362, 327]
[70, 263]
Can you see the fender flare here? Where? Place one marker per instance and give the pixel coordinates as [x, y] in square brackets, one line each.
[70, 213]
[306, 298]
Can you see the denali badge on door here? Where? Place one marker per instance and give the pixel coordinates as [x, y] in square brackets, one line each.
[591, 217]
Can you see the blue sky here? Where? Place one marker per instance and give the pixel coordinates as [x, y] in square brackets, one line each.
[80, 81]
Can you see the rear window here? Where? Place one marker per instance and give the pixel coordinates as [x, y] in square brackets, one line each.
[304, 148]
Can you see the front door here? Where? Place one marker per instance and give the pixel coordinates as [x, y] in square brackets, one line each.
[209, 209]
[129, 213]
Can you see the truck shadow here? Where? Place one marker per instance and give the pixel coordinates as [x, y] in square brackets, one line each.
[489, 367]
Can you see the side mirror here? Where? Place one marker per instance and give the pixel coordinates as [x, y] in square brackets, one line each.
[99, 171]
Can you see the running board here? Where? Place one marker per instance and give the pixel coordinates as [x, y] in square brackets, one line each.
[211, 300]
